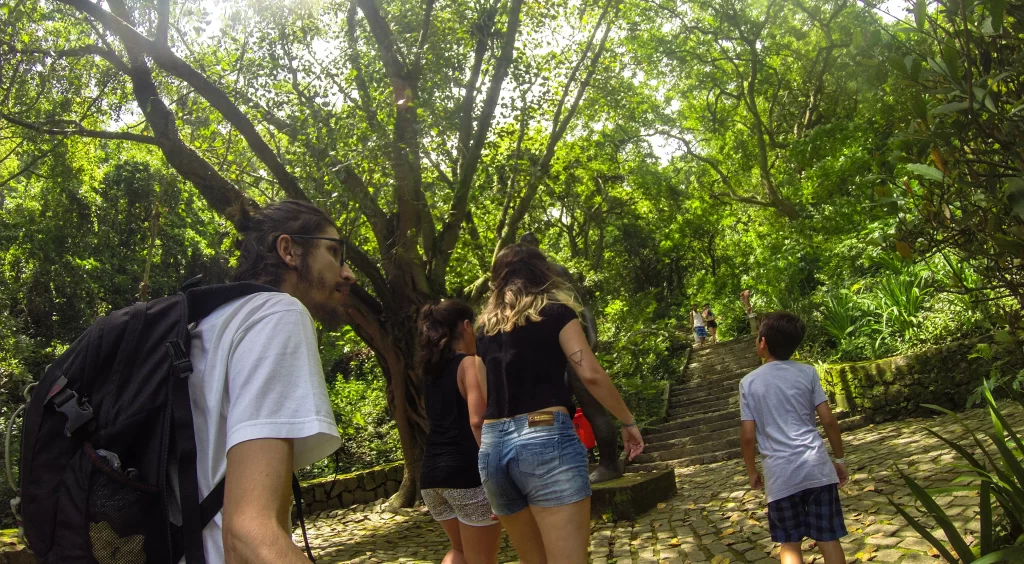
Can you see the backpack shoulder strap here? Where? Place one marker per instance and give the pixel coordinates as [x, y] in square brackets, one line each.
[214, 502]
[205, 300]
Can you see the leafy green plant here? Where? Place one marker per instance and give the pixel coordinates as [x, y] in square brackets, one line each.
[839, 316]
[1000, 482]
[900, 299]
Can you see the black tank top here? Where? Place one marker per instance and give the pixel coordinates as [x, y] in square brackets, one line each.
[449, 460]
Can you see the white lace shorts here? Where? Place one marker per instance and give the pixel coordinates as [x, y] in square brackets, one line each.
[468, 505]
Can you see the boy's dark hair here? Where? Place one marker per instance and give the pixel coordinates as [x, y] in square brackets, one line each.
[783, 332]
[438, 331]
[258, 260]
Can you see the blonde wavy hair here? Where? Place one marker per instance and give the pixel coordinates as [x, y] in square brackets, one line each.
[523, 283]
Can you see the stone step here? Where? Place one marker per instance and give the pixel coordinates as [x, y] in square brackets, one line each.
[691, 381]
[685, 462]
[723, 445]
[696, 421]
[704, 384]
[725, 433]
[723, 347]
[711, 393]
[654, 438]
[714, 368]
[630, 496]
[708, 407]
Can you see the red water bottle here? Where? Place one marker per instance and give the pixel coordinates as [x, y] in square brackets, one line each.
[583, 429]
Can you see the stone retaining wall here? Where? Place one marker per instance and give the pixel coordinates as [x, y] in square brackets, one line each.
[898, 387]
[346, 490]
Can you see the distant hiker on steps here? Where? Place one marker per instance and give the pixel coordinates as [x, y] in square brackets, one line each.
[700, 331]
[712, 324]
[778, 403]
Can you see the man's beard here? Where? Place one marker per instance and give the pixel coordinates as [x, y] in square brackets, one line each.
[328, 315]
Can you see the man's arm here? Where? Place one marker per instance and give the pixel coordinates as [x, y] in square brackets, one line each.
[748, 443]
[257, 501]
[835, 439]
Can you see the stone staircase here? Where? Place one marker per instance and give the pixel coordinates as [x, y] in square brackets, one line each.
[703, 419]
[703, 423]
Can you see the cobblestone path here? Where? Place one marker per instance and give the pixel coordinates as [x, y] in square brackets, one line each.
[706, 522]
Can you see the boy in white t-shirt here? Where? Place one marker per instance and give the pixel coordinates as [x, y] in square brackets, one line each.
[259, 400]
[778, 403]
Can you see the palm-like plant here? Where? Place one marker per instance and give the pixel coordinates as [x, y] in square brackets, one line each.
[900, 299]
[839, 315]
[1001, 483]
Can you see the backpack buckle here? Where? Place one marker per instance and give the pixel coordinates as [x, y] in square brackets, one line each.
[78, 411]
[180, 362]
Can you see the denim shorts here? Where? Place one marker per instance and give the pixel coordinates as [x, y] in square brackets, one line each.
[521, 465]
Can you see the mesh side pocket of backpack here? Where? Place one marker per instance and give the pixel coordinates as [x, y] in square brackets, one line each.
[120, 513]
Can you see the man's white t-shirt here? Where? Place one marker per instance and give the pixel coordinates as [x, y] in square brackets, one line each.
[780, 398]
[698, 318]
[257, 375]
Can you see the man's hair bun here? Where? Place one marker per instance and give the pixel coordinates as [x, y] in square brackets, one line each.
[241, 215]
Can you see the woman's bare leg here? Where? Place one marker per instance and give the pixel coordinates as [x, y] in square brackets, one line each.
[565, 530]
[455, 555]
[525, 536]
[480, 544]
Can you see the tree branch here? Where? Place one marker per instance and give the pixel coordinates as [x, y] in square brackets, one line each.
[469, 165]
[79, 130]
[559, 125]
[82, 51]
[27, 167]
[175, 66]
[163, 15]
[421, 44]
[413, 210]
[346, 175]
[366, 100]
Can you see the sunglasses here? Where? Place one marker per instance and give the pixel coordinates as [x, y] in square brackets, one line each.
[340, 242]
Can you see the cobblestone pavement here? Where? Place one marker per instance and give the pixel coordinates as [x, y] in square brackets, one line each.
[714, 517]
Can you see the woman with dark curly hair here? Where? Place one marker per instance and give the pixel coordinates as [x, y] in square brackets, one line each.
[449, 480]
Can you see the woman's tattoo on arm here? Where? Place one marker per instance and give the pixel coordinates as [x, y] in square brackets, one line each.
[577, 358]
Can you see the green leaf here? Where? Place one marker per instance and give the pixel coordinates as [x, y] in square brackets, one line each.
[1015, 195]
[920, 106]
[986, 27]
[950, 107]
[955, 539]
[996, 8]
[985, 505]
[951, 57]
[920, 13]
[925, 533]
[1012, 554]
[927, 172]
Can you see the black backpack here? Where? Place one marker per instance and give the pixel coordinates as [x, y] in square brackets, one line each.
[105, 423]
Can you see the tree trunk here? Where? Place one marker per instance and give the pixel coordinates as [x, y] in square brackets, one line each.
[391, 334]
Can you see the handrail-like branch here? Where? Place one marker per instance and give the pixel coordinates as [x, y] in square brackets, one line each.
[79, 130]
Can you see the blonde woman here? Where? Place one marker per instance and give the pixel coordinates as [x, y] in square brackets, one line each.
[532, 465]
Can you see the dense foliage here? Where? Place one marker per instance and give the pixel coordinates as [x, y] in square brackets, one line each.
[862, 169]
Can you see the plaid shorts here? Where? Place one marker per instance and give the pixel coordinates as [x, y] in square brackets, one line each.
[814, 513]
